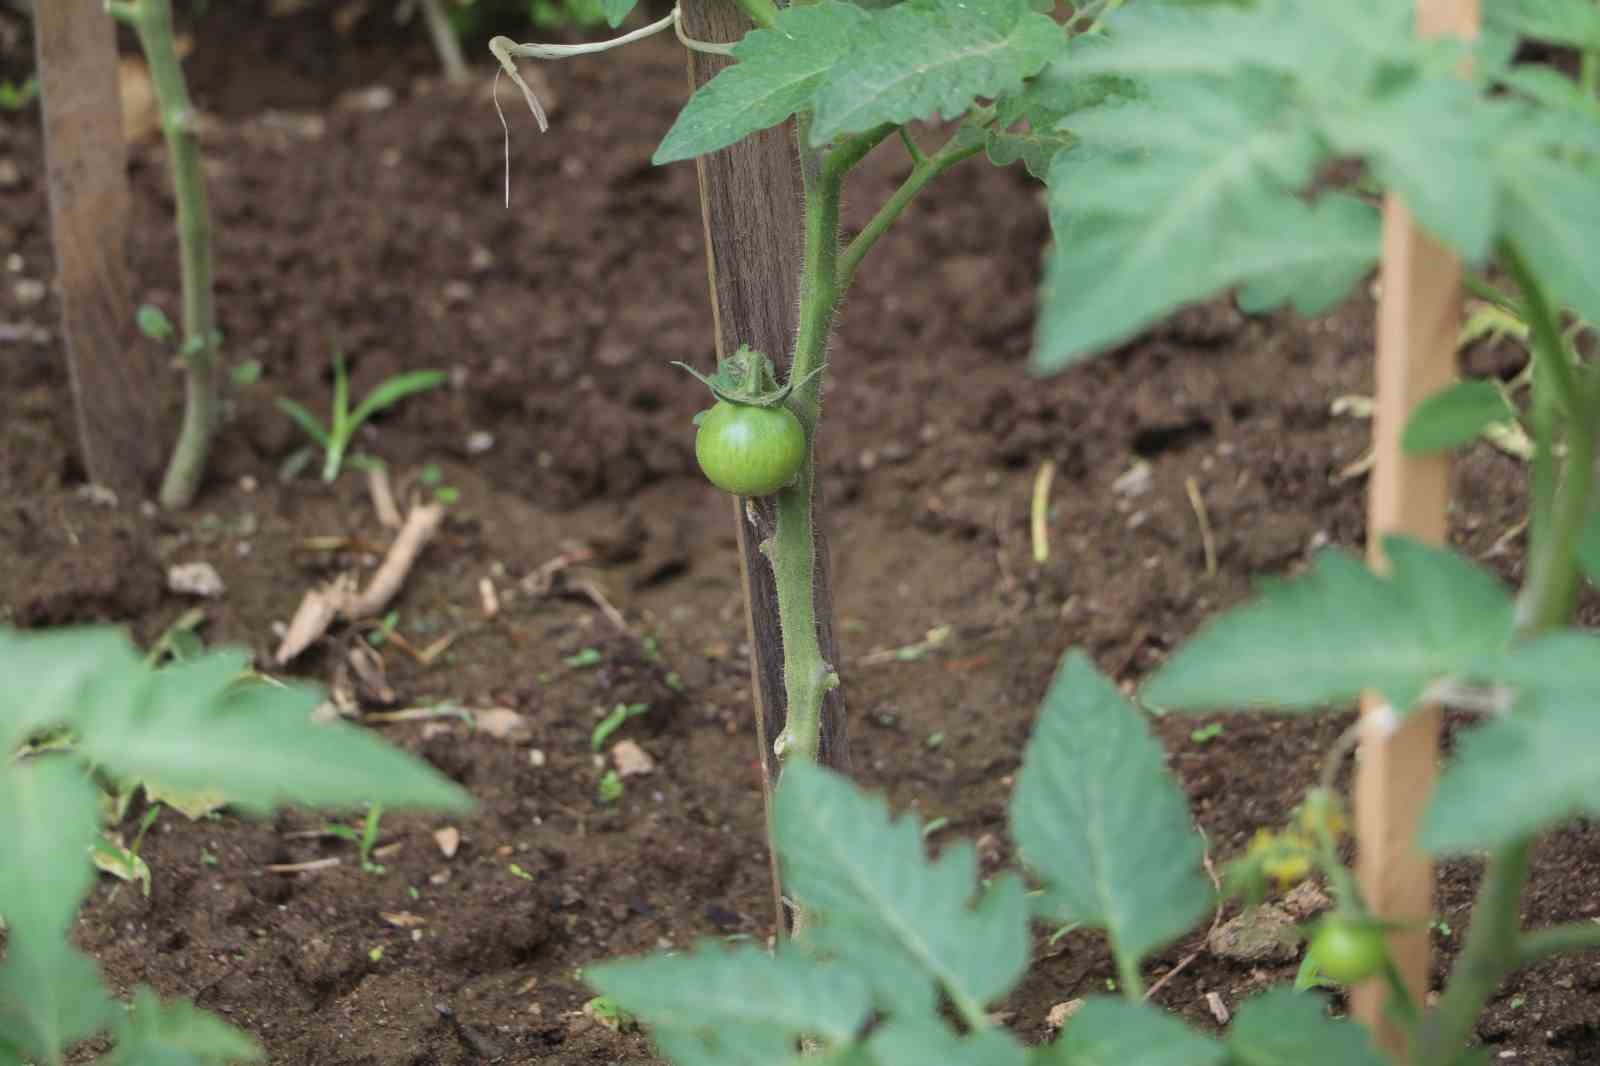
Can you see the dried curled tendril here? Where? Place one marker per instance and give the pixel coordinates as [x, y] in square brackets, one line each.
[507, 51]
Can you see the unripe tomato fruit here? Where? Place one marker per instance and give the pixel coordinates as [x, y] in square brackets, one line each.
[749, 450]
[1348, 951]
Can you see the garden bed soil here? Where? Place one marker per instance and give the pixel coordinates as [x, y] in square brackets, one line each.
[358, 205]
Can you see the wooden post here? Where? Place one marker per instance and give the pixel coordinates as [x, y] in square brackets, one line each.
[751, 200]
[115, 380]
[1419, 316]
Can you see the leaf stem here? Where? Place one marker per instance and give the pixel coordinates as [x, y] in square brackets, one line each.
[152, 19]
[925, 170]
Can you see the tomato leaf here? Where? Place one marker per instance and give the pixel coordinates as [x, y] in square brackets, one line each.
[777, 73]
[1455, 416]
[1549, 211]
[913, 61]
[926, 1041]
[1096, 814]
[872, 885]
[1115, 1032]
[1534, 768]
[617, 10]
[177, 1033]
[186, 725]
[1323, 638]
[711, 993]
[1574, 23]
[1282, 1027]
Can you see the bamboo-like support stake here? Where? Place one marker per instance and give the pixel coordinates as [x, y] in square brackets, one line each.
[152, 19]
[115, 380]
[1419, 315]
[750, 197]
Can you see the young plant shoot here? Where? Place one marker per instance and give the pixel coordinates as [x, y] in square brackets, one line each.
[1183, 159]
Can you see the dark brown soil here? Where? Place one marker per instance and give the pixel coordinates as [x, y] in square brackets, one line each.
[380, 230]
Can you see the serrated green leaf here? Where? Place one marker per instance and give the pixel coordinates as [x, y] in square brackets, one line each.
[1115, 1032]
[1548, 210]
[617, 10]
[1411, 138]
[1098, 816]
[51, 995]
[777, 73]
[913, 61]
[193, 728]
[47, 673]
[177, 1033]
[1455, 416]
[1574, 23]
[1169, 199]
[48, 819]
[860, 871]
[1036, 148]
[1323, 638]
[788, 994]
[928, 1041]
[1282, 1027]
[1526, 771]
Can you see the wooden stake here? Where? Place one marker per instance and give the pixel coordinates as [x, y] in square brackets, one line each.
[115, 379]
[751, 201]
[1419, 314]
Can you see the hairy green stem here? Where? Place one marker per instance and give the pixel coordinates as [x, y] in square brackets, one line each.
[1495, 945]
[1550, 591]
[806, 676]
[152, 19]
[926, 168]
[1490, 953]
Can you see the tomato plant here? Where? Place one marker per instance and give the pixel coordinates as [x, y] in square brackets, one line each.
[1183, 158]
[749, 450]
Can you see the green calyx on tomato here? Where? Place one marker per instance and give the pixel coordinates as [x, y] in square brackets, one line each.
[748, 377]
[750, 450]
[1348, 949]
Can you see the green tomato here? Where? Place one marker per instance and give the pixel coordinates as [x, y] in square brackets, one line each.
[1348, 951]
[749, 450]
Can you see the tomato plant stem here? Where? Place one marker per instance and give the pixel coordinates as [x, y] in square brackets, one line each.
[152, 20]
[793, 549]
[1494, 945]
[1560, 510]
[1491, 951]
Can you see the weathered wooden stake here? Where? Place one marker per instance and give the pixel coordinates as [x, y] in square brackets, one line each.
[116, 381]
[751, 201]
[1419, 316]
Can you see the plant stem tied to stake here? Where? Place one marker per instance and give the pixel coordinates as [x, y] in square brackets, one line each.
[152, 20]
